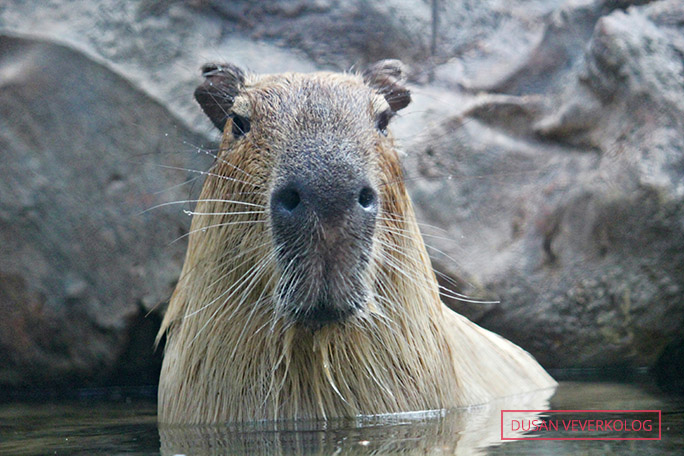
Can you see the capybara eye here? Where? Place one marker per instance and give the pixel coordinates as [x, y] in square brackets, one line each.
[241, 125]
[382, 120]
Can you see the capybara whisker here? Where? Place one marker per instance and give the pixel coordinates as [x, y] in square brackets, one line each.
[189, 212]
[208, 174]
[227, 201]
[217, 225]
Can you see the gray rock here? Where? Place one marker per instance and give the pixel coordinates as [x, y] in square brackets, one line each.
[545, 139]
[571, 209]
[84, 153]
[157, 46]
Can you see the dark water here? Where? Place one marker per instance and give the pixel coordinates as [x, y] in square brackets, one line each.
[128, 426]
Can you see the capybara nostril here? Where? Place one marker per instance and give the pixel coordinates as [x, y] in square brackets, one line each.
[286, 199]
[367, 198]
[315, 197]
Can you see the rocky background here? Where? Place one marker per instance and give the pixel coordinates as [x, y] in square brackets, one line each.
[544, 151]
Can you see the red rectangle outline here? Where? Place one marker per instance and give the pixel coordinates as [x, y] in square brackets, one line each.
[659, 412]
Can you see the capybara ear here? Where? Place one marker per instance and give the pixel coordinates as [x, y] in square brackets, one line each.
[388, 77]
[217, 93]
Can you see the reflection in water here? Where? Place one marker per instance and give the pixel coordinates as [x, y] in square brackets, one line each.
[464, 431]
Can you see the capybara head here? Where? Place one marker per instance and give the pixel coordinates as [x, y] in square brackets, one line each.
[314, 153]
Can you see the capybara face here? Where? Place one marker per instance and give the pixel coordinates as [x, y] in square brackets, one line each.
[313, 152]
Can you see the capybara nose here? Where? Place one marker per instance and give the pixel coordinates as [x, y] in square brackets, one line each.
[300, 204]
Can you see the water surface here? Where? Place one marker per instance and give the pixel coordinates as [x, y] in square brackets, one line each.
[128, 426]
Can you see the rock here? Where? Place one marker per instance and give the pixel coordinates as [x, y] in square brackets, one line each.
[545, 65]
[338, 34]
[576, 222]
[84, 153]
[545, 139]
[157, 46]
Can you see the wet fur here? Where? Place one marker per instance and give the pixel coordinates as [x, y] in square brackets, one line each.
[233, 355]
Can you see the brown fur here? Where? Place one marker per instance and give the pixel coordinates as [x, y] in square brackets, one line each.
[231, 355]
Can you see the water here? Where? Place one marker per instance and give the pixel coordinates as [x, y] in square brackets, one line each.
[128, 426]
